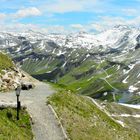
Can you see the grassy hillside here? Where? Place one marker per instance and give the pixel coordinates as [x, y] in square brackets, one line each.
[5, 62]
[84, 121]
[94, 79]
[129, 117]
[11, 129]
[85, 73]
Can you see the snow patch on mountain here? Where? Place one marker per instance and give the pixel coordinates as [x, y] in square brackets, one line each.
[112, 38]
[125, 80]
[132, 88]
[130, 105]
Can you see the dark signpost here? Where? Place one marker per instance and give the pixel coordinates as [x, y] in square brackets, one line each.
[18, 90]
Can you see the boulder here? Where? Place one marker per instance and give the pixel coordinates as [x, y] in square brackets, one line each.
[9, 79]
[26, 86]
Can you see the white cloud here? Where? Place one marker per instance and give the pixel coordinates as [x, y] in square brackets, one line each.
[107, 22]
[97, 27]
[134, 22]
[2, 16]
[63, 6]
[23, 13]
[27, 12]
[130, 11]
[77, 26]
[19, 27]
[101, 24]
[112, 21]
[56, 29]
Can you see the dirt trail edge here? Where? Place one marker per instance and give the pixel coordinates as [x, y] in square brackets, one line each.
[45, 125]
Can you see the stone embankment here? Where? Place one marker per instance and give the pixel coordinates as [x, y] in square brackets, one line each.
[9, 79]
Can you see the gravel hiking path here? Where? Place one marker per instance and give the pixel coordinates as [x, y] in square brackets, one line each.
[45, 125]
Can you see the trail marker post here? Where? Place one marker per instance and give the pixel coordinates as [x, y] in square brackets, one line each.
[18, 90]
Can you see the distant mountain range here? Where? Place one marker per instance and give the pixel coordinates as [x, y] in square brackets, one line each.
[104, 65]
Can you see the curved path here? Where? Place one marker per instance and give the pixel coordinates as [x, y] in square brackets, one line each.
[45, 126]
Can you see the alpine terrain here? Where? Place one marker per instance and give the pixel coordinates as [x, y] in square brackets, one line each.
[95, 78]
[103, 66]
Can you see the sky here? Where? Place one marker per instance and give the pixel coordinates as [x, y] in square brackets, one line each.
[65, 16]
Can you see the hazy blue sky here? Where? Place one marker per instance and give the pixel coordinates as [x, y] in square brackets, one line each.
[67, 15]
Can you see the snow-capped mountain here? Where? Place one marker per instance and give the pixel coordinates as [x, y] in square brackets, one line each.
[99, 65]
[113, 38]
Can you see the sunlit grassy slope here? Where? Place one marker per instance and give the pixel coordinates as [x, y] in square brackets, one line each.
[5, 62]
[11, 129]
[84, 121]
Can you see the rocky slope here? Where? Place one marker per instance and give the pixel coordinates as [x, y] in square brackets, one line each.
[104, 65]
[10, 75]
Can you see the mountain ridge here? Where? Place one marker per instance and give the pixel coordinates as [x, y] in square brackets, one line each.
[82, 61]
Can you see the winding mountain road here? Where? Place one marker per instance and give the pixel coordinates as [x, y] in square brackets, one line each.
[45, 125]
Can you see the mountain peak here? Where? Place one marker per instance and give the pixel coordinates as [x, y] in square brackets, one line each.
[125, 27]
[122, 27]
